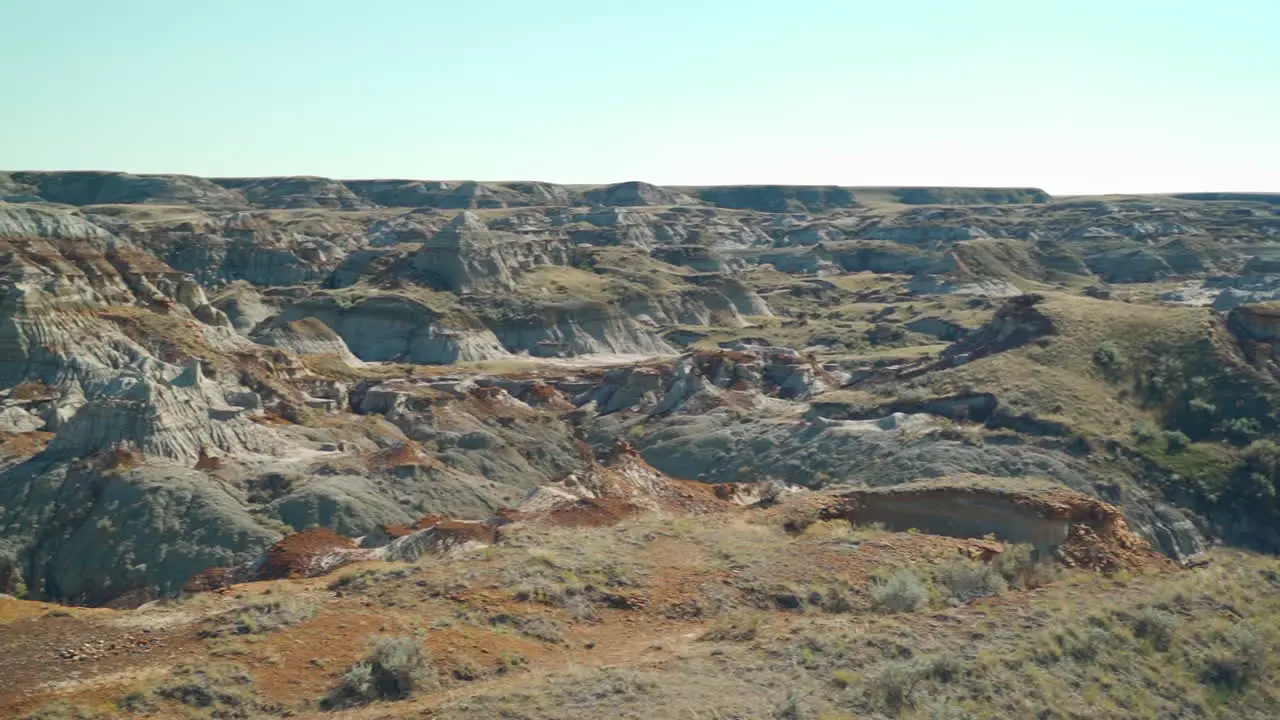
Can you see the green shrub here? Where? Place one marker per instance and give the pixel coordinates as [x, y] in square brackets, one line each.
[1020, 567]
[968, 581]
[893, 686]
[393, 670]
[63, 710]
[137, 703]
[534, 626]
[468, 671]
[261, 616]
[1242, 657]
[512, 661]
[903, 591]
[835, 600]
[1145, 431]
[1176, 441]
[1156, 626]
[944, 667]
[226, 689]
[1086, 645]
[1108, 356]
[1240, 431]
[915, 395]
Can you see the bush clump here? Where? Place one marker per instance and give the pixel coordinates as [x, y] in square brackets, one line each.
[968, 581]
[393, 670]
[1242, 656]
[1176, 441]
[262, 617]
[1108, 356]
[740, 630]
[1021, 566]
[1156, 626]
[903, 591]
[893, 687]
[226, 689]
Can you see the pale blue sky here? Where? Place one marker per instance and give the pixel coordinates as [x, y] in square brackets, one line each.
[1075, 97]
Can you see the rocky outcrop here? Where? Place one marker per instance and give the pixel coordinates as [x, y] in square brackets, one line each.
[244, 307]
[1257, 329]
[1128, 265]
[175, 419]
[25, 222]
[697, 382]
[82, 535]
[617, 486]
[1016, 323]
[887, 257]
[466, 255]
[294, 192]
[1083, 531]
[581, 329]
[392, 327]
[307, 336]
[149, 351]
[248, 247]
[924, 234]
[634, 193]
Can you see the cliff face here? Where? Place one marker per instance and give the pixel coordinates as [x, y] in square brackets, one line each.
[1257, 330]
[1081, 530]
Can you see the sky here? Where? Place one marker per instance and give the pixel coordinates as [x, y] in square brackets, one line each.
[1081, 97]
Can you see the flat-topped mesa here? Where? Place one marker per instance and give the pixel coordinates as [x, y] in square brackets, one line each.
[777, 198]
[466, 255]
[970, 196]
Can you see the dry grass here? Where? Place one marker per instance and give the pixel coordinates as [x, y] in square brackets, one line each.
[1058, 379]
[731, 615]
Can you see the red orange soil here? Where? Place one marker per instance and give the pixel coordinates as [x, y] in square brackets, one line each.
[24, 445]
[293, 556]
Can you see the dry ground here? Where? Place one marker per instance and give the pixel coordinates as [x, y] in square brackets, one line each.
[713, 617]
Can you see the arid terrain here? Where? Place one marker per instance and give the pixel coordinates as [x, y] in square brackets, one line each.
[304, 447]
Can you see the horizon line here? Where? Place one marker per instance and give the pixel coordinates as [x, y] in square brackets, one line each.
[392, 178]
